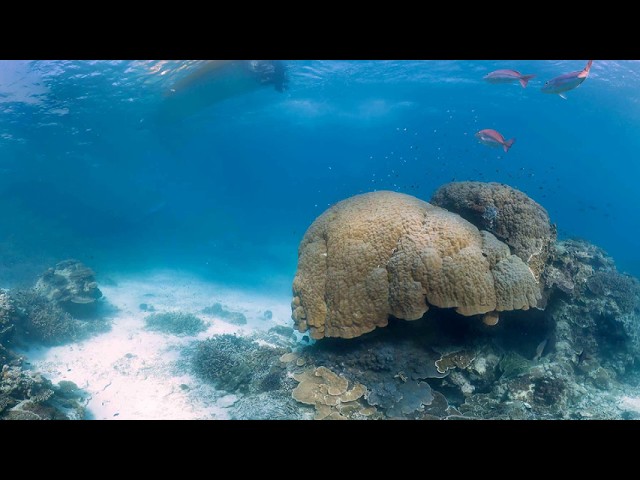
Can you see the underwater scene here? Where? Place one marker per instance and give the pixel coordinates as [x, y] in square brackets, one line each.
[319, 239]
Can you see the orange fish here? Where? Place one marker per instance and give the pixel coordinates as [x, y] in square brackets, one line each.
[493, 138]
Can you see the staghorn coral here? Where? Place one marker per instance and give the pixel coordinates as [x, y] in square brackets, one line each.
[508, 213]
[176, 323]
[43, 320]
[268, 405]
[385, 253]
[237, 364]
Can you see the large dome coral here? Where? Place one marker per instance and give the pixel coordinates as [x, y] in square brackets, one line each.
[385, 253]
[509, 214]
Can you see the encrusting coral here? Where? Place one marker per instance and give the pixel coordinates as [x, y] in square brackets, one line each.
[328, 392]
[385, 253]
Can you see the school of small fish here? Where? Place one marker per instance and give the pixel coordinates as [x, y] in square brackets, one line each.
[557, 85]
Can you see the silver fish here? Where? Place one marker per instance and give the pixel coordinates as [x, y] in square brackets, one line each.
[507, 76]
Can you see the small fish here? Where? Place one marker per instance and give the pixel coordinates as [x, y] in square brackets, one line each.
[568, 81]
[507, 76]
[492, 138]
[540, 350]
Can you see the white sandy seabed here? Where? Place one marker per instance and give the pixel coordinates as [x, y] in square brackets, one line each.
[132, 373]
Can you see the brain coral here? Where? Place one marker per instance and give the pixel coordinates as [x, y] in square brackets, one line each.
[508, 213]
[385, 253]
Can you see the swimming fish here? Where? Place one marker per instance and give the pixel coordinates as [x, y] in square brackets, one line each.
[508, 76]
[492, 138]
[568, 81]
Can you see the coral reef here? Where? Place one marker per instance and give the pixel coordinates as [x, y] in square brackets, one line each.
[37, 314]
[385, 253]
[508, 213]
[175, 323]
[571, 264]
[40, 319]
[71, 285]
[46, 313]
[330, 394]
[576, 359]
[400, 398]
[271, 405]
[238, 364]
[25, 395]
[8, 316]
[218, 310]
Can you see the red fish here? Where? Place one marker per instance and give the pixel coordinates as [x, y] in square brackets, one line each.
[493, 138]
[508, 76]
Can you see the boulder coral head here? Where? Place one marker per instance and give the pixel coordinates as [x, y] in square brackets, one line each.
[509, 214]
[386, 253]
[69, 284]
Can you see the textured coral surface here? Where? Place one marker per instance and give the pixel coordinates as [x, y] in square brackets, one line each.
[385, 253]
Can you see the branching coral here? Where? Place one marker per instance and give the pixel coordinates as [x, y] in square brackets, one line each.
[237, 364]
[176, 323]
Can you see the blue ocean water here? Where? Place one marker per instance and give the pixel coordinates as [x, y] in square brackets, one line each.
[101, 161]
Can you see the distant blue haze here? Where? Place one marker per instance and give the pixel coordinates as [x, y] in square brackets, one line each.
[97, 164]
